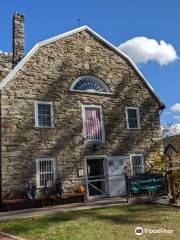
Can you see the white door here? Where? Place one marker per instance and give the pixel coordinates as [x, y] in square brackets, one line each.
[116, 168]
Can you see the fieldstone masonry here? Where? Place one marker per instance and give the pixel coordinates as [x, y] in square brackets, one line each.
[48, 76]
[5, 64]
[18, 38]
[10, 60]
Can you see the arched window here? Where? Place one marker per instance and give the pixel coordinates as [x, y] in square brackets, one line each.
[89, 84]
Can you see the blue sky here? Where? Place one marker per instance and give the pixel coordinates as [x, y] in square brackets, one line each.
[117, 21]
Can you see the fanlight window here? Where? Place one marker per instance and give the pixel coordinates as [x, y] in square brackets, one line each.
[89, 84]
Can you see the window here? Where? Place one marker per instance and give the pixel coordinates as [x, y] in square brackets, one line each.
[137, 164]
[45, 169]
[44, 116]
[93, 126]
[89, 84]
[132, 118]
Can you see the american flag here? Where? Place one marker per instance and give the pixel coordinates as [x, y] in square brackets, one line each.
[93, 124]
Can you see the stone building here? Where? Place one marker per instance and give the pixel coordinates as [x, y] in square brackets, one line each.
[74, 108]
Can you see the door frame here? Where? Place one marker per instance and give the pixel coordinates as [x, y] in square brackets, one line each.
[91, 157]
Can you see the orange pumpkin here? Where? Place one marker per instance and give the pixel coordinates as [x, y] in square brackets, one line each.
[81, 189]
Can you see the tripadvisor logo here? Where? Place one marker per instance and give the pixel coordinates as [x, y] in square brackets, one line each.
[139, 231]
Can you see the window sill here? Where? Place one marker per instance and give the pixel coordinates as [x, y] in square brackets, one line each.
[41, 187]
[91, 142]
[91, 93]
[134, 128]
[39, 127]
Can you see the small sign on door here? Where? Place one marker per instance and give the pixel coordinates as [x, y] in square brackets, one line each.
[81, 172]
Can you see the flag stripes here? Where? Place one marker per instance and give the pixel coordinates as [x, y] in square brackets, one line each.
[93, 124]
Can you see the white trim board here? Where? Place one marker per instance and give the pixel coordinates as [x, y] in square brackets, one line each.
[36, 113]
[138, 117]
[38, 170]
[92, 157]
[98, 80]
[143, 161]
[66, 34]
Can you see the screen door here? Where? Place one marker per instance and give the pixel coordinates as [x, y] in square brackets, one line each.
[96, 179]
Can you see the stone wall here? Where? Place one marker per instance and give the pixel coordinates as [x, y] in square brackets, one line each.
[48, 76]
[5, 64]
[18, 38]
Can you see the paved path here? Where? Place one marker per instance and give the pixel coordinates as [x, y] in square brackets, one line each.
[6, 236]
[98, 203]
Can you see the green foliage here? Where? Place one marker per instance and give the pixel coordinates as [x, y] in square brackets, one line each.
[160, 163]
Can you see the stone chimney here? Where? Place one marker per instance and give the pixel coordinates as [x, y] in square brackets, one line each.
[18, 38]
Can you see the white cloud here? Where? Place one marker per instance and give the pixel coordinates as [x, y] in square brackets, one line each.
[171, 130]
[175, 129]
[142, 50]
[176, 107]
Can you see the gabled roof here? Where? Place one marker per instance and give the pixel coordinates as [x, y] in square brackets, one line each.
[66, 34]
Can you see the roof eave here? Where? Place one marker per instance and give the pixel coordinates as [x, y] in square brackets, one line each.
[69, 33]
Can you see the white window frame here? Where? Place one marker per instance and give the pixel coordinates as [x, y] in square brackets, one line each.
[88, 91]
[36, 114]
[143, 162]
[38, 170]
[138, 117]
[84, 124]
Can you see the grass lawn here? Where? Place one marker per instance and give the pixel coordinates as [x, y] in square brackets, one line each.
[117, 222]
